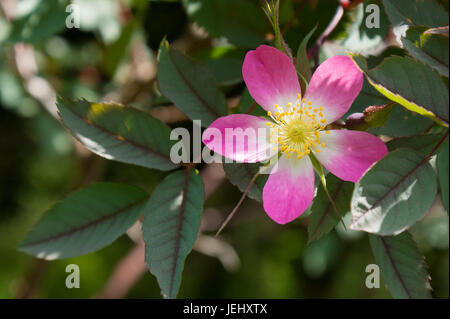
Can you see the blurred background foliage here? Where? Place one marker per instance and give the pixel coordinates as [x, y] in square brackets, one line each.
[112, 57]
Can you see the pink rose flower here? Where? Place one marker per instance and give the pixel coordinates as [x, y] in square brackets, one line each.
[297, 128]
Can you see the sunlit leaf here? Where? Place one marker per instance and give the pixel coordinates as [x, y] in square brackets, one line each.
[85, 221]
[394, 193]
[429, 48]
[369, 29]
[411, 84]
[119, 133]
[171, 222]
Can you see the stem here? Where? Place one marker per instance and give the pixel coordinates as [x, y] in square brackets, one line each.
[334, 206]
[238, 204]
[314, 51]
[436, 147]
[251, 108]
[318, 168]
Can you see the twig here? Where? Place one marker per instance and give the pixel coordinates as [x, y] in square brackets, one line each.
[251, 108]
[238, 204]
[314, 51]
[126, 274]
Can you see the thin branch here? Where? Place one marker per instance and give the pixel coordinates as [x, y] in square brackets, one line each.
[251, 108]
[126, 274]
[314, 51]
[238, 204]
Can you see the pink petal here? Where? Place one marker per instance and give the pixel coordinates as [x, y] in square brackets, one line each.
[348, 154]
[334, 86]
[289, 190]
[270, 77]
[240, 137]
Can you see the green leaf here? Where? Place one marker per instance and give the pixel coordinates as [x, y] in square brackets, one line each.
[402, 266]
[367, 96]
[422, 143]
[303, 65]
[240, 175]
[402, 122]
[442, 163]
[323, 216]
[45, 20]
[190, 85]
[241, 22]
[429, 48]
[393, 194]
[363, 35]
[225, 63]
[171, 222]
[119, 133]
[318, 169]
[85, 221]
[411, 84]
[416, 12]
[248, 102]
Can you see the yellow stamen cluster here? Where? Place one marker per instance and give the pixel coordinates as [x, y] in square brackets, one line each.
[297, 128]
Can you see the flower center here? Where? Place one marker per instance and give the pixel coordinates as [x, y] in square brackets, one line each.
[297, 128]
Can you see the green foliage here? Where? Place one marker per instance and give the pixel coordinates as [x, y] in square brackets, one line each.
[415, 12]
[117, 55]
[85, 221]
[241, 174]
[303, 64]
[402, 123]
[423, 143]
[429, 48]
[396, 78]
[395, 193]
[46, 19]
[119, 133]
[369, 28]
[170, 227]
[225, 63]
[241, 22]
[402, 266]
[323, 217]
[190, 86]
[442, 164]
